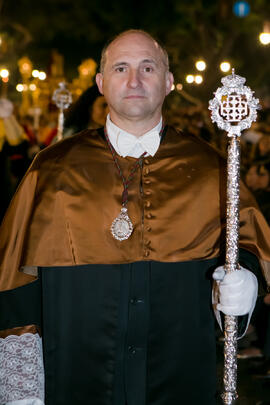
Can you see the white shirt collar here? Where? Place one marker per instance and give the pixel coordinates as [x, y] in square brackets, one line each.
[126, 144]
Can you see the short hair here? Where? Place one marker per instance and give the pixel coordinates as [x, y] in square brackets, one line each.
[132, 31]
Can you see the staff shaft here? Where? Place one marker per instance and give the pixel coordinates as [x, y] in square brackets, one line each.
[232, 257]
[60, 126]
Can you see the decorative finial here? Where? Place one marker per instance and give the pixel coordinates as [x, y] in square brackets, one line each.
[234, 108]
[62, 98]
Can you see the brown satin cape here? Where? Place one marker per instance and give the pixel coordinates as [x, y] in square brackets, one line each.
[62, 212]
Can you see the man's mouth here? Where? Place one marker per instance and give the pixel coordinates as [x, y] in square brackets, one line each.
[134, 96]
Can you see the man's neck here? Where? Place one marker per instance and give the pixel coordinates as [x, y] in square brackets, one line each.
[135, 127]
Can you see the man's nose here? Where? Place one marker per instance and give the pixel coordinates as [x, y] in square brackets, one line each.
[134, 79]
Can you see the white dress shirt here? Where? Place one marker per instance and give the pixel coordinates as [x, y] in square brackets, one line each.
[126, 144]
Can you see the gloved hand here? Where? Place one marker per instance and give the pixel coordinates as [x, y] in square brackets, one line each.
[237, 291]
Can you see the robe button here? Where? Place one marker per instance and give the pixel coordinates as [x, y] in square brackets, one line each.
[148, 192]
[146, 161]
[132, 349]
[135, 301]
[149, 215]
[148, 228]
[146, 253]
[147, 203]
[147, 170]
[147, 242]
[147, 181]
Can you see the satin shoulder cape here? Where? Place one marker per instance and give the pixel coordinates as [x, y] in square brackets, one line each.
[63, 209]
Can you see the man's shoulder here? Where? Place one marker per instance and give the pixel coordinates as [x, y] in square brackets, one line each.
[189, 140]
[69, 149]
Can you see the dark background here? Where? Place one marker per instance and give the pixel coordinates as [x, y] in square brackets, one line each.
[189, 29]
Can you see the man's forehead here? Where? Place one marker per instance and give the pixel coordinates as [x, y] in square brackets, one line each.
[133, 46]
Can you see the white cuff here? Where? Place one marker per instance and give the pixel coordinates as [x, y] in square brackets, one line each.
[27, 401]
[21, 370]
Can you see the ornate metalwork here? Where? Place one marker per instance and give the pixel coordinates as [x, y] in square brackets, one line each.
[233, 109]
[62, 98]
[122, 226]
[230, 364]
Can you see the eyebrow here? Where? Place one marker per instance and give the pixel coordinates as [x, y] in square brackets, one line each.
[152, 61]
[149, 61]
[119, 64]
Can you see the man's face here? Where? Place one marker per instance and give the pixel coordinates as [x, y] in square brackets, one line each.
[135, 80]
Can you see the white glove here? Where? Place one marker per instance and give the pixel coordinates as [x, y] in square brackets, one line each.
[237, 291]
[6, 108]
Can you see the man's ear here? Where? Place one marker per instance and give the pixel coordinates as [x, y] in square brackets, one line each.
[99, 81]
[169, 82]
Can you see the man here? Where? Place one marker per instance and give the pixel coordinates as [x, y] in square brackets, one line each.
[124, 227]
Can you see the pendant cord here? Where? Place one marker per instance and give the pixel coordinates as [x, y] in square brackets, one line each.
[125, 181]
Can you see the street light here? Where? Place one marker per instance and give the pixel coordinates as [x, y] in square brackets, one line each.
[35, 73]
[42, 75]
[198, 79]
[32, 87]
[179, 86]
[265, 38]
[265, 35]
[200, 65]
[25, 67]
[190, 79]
[4, 73]
[225, 67]
[19, 87]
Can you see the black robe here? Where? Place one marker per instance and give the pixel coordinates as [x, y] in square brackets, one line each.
[133, 333]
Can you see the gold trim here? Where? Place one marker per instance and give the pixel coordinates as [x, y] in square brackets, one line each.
[20, 330]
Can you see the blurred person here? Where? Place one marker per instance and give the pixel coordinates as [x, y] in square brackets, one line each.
[264, 146]
[264, 176]
[259, 350]
[262, 193]
[13, 154]
[108, 251]
[11, 131]
[89, 111]
[47, 130]
[258, 181]
[32, 135]
[249, 143]
[252, 177]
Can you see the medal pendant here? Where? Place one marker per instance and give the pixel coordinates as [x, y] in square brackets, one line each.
[122, 226]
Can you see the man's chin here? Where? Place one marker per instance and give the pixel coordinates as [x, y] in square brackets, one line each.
[135, 111]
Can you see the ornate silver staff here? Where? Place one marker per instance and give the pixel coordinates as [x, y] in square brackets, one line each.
[233, 109]
[62, 98]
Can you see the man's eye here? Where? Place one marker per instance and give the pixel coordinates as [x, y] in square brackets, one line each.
[148, 69]
[121, 69]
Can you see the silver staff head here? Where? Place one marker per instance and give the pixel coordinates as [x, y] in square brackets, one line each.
[62, 96]
[234, 108]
